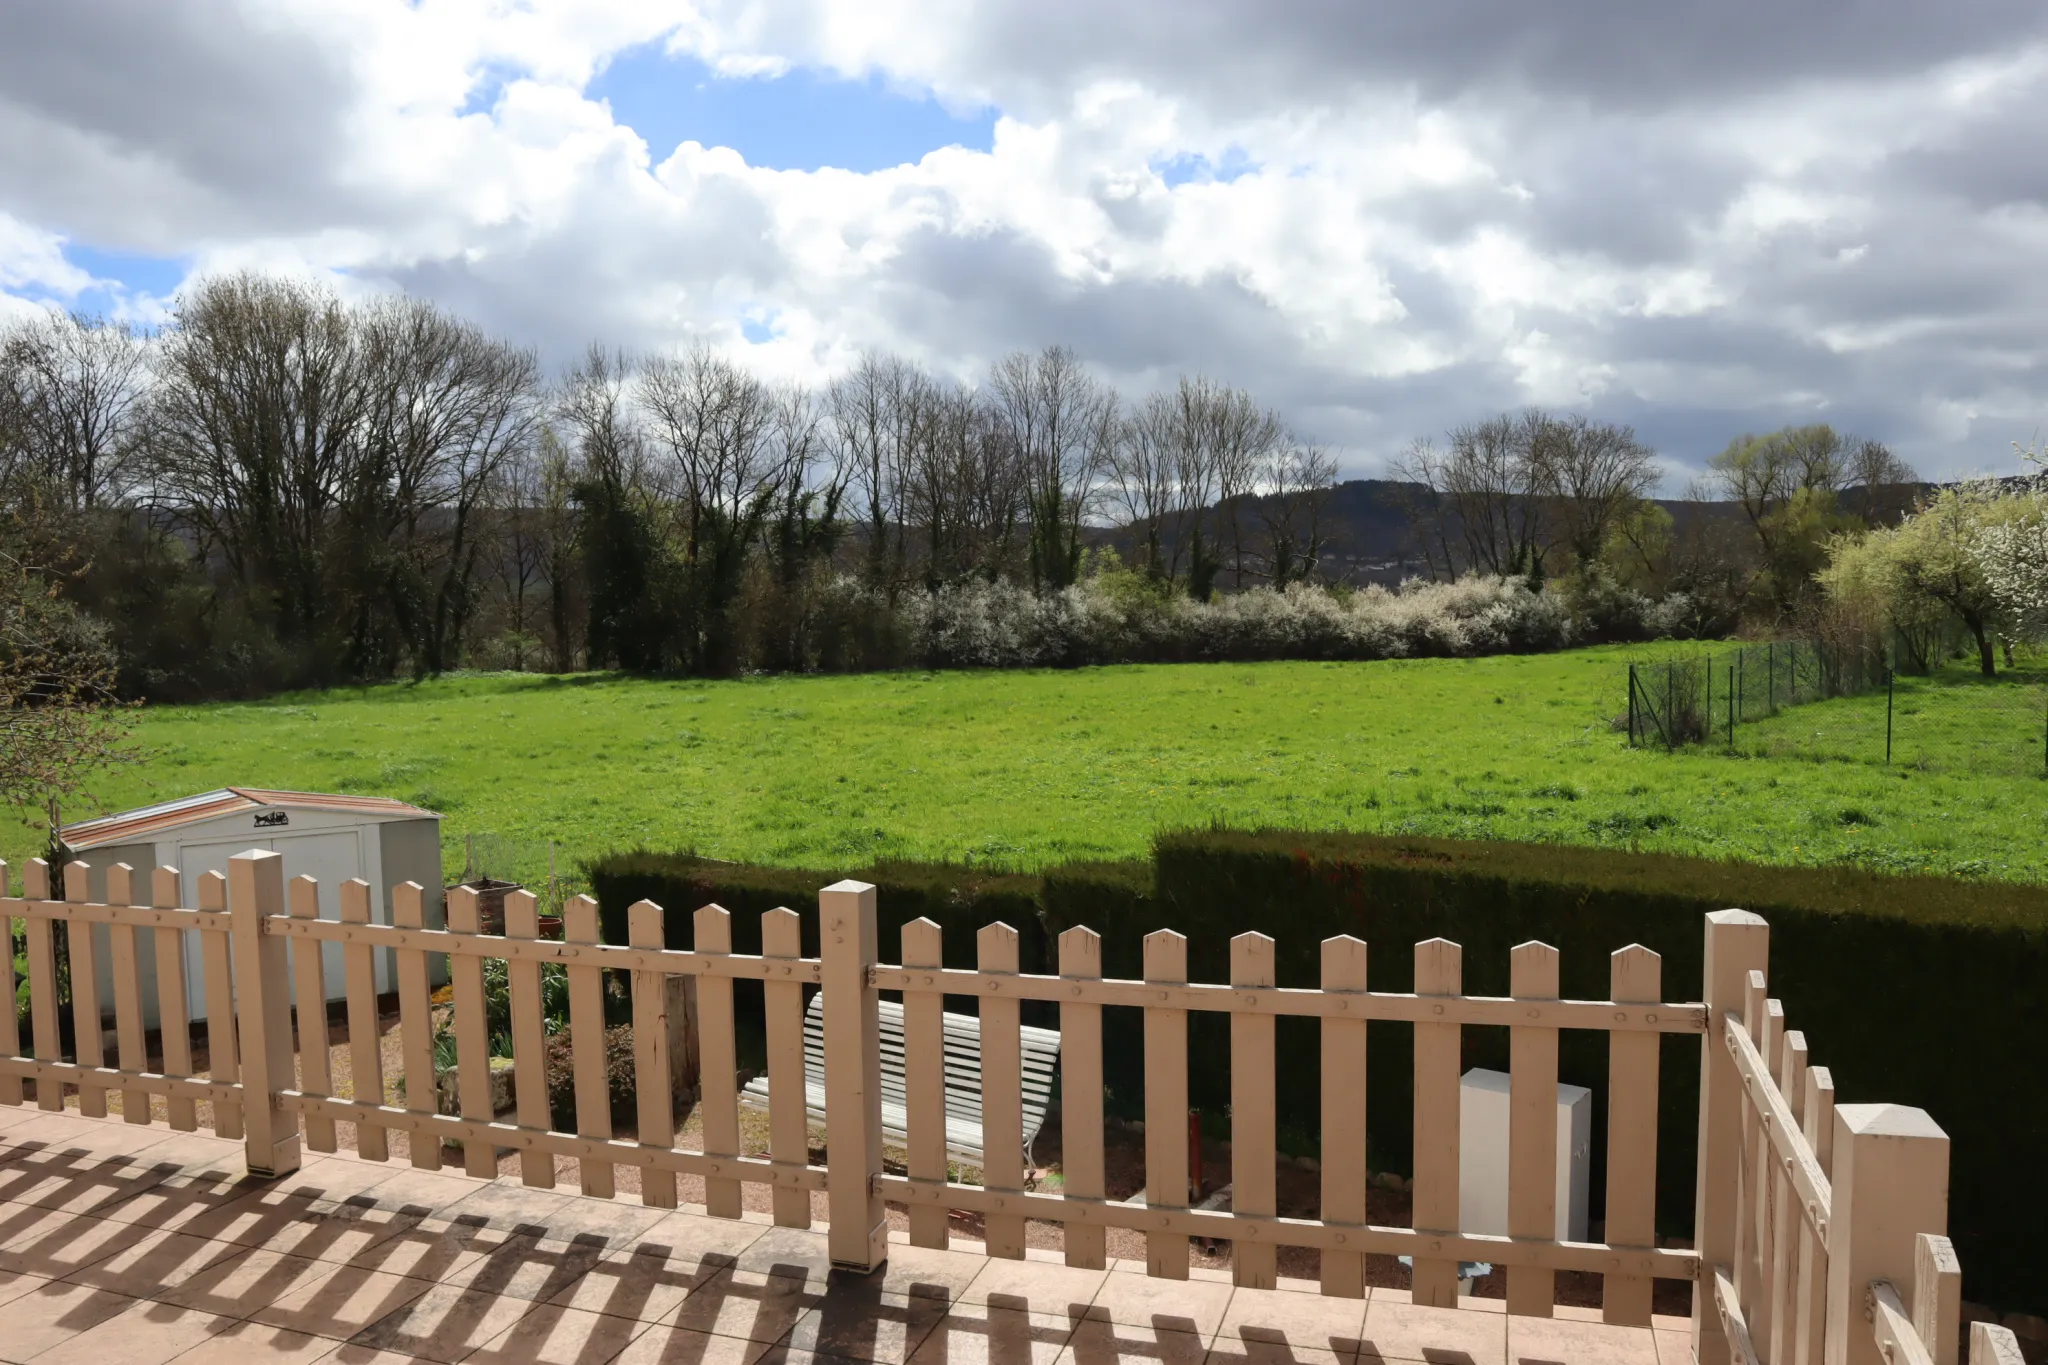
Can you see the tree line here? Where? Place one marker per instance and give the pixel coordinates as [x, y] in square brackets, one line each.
[284, 489]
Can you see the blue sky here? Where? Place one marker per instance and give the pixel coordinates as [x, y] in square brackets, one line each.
[799, 121]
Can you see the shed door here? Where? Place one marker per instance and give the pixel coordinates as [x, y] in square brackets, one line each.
[329, 856]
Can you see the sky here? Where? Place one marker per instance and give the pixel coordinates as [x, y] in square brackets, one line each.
[1382, 219]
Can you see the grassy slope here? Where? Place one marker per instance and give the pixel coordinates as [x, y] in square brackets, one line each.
[1026, 769]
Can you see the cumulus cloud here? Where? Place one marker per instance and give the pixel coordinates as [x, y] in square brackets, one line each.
[1382, 219]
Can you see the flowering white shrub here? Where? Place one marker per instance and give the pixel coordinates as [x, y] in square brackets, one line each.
[1118, 617]
[2012, 550]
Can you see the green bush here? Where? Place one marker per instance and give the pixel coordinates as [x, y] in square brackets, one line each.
[1913, 990]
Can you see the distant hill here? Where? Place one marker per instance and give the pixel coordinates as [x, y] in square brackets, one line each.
[1373, 537]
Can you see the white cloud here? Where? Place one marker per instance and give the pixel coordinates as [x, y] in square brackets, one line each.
[1477, 205]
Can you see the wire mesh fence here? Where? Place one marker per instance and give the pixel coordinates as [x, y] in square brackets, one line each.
[539, 865]
[1806, 699]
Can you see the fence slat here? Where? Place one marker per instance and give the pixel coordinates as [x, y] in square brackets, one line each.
[1439, 970]
[1991, 1344]
[416, 1026]
[1817, 1119]
[1343, 1078]
[1081, 1095]
[173, 1008]
[125, 963]
[529, 1039]
[1254, 1161]
[1786, 1215]
[1938, 1297]
[87, 1023]
[472, 1032]
[10, 1020]
[1002, 1090]
[1636, 975]
[309, 985]
[1532, 1128]
[789, 1129]
[365, 1052]
[587, 1047]
[41, 947]
[654, 1100]
[924, 1081]
[1735, 941]
[718, 1081]
[1166, 1104]
[223, 1056]
[1763, 1017]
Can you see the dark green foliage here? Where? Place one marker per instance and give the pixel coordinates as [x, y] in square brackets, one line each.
[626, 571]
[1911, 990]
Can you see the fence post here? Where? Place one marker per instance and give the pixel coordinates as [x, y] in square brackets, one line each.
[1631, 706]
[1889, 691]
[1732, 706]
[858, 1238]
[1670, 689]
[263, 1011]
[1890, 1182]
[1738, 943]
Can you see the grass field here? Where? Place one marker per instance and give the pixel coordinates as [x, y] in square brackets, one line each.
[1025, 769]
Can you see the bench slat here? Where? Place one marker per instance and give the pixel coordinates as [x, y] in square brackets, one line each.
[1039, 1049]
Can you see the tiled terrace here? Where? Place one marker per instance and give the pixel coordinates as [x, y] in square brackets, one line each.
[134, 1246]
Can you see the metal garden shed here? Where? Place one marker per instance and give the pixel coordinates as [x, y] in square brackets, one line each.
[328, 837]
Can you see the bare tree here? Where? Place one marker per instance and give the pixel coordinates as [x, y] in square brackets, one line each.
[260, 404]
[874, 410]
[714, 421]
[1484, 494]
[1295, 488]
[448, 407]
[1238, 437]
[1143, 485]
[74, 405]
[1887, 488]
[1062, 422]
[964, 488]
[1595, 472]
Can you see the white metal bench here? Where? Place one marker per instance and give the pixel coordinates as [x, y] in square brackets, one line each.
[1039, 1049]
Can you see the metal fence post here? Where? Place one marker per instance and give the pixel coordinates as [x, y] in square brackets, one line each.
[1890, 1184]
[1738, 943]
[1670, 715]
[263, 1012]
[858, 1238]
[1890, 690]
[1631, 706]
[1731, 705]
[1771, 677]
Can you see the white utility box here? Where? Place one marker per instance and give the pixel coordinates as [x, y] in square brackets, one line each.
[328, 837]
[1483, 1155]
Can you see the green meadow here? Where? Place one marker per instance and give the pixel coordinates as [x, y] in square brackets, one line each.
[1021, 770]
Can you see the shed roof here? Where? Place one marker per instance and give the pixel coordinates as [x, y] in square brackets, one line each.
[148, 822]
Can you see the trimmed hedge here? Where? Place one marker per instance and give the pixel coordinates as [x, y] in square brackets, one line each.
[961, 899]
[1913, 990]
